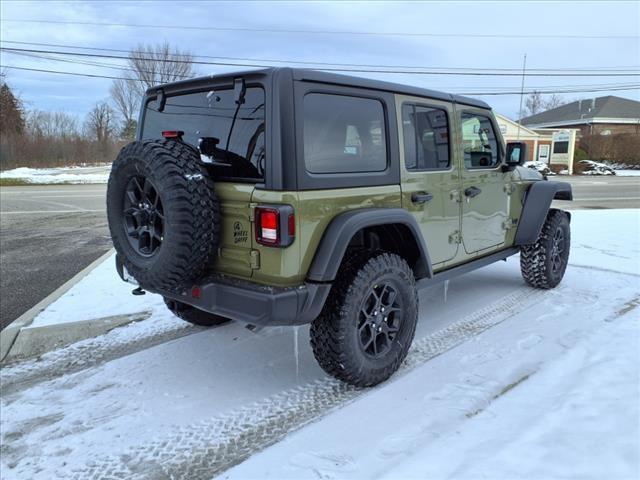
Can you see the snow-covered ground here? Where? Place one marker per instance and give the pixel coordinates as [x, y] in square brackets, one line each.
[94, 174]
[502, 382]
[100, 294]
[628, 173]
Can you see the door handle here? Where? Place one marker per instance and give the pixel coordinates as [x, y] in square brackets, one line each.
[472, 192]
[421, 197]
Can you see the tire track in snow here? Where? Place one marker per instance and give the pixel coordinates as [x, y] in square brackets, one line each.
[205, 449]
[92, 352]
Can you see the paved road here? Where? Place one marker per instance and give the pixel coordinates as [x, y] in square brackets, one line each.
[49, 233]
[602, 192]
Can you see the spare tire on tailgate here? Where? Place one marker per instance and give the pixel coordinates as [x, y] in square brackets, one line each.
[163, 213]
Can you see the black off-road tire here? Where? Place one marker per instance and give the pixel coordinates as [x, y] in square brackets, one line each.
[190, 208]
[335, 339]
[543, 264]
[193, 315]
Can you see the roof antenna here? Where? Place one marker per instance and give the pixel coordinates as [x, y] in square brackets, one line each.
[524, 68]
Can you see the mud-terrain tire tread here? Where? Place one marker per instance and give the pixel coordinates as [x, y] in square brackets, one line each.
[194, 315]
[535, 263]
[192, 212]
[328, 334]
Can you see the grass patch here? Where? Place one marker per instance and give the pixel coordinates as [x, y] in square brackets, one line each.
[14, 182]
[21, 182]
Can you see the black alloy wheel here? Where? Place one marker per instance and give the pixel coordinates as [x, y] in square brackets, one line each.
[379, 320]
[557, 251]
[143, 216]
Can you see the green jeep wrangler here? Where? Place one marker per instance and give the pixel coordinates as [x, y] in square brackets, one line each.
[290, 196]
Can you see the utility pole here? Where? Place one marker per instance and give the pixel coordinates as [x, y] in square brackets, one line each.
[524, 69]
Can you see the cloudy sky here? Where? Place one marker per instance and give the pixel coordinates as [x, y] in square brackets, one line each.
[452, 35]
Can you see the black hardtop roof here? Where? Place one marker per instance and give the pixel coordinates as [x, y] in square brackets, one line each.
[305, 74]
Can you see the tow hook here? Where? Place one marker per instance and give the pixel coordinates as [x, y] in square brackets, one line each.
[138, 291]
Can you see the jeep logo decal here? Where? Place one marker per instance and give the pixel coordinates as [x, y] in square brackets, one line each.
[239, 234]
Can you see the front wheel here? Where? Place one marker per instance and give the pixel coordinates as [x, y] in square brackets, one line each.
[543, 264]
[368, 322]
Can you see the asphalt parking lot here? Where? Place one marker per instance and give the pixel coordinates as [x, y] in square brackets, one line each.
[50, 233]
[47, 235]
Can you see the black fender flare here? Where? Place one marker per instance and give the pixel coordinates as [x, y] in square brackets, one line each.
[537, 201]
[344, 226]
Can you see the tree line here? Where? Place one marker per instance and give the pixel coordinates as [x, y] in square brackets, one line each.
[36, 138]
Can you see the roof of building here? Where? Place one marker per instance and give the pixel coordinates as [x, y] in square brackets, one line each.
[584, 111]
[305, 74]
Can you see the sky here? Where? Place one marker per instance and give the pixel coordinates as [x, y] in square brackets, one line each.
[516, 28]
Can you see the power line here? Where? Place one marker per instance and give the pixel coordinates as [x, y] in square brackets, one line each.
[449, 87]
[306, 62]
[321, 32]
[351, 70]
[544, 92]
[90, 63]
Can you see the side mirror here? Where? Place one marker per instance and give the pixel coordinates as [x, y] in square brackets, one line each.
[517, 154]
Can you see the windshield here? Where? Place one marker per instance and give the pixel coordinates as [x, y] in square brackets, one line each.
[234, 149]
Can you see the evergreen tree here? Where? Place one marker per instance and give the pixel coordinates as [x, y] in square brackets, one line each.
[11, 114]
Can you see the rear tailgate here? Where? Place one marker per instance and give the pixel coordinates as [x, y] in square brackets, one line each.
[235, 255]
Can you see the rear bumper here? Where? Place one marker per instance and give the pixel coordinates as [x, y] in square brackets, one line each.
[250, 302]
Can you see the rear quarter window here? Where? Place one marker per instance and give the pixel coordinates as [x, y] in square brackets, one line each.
[343, 134]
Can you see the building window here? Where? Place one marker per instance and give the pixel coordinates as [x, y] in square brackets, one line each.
[561, 147]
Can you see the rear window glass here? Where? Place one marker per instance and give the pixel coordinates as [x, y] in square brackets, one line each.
[234, 147]
[343, 134]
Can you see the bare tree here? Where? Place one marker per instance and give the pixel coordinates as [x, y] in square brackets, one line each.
[126, 102]
[100, 123]
[156, 64]
[41, 124]
[148, 65]
[533, 103]
[553, 101]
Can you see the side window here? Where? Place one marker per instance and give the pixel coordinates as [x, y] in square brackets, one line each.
[343, 134]
[479, 141]
[426, 138]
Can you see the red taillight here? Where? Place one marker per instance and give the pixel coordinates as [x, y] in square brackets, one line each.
[175, 134]
[268, 226]
[196, 292]
[275, 225]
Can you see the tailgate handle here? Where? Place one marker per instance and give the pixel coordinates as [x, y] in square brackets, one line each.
[421, 197]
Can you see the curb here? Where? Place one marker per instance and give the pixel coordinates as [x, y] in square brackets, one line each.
[10, 333]
[34, 341]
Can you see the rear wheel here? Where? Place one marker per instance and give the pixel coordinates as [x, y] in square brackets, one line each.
[193, 315]
[543, 264]
[368, 322]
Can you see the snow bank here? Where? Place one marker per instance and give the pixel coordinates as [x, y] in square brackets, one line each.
[541, 167]
[99, 174]
[597, 168]
[100, 294]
